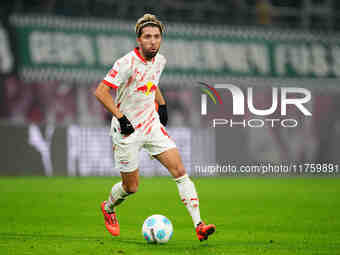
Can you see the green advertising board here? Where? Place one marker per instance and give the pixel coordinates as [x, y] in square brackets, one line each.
[85, 49]
[6, 57]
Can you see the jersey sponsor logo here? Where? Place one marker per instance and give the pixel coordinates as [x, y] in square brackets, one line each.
[147, 88]
[113, 73]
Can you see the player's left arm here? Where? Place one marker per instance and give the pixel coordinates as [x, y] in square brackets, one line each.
[162, 110]
[159, 97]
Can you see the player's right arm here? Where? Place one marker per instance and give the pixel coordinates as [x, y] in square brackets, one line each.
[103, 95]
[113, 79]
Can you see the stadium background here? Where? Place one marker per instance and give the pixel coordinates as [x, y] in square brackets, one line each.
[54, 53]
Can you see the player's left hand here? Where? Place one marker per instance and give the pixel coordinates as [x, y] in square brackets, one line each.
[163, 114]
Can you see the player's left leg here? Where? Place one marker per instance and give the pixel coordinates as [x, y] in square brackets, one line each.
[172, 161]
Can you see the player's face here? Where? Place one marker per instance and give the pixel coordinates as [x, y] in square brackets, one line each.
[150, 41]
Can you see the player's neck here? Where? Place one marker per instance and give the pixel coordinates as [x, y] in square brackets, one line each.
[142, 54]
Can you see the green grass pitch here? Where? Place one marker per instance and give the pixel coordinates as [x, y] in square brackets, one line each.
[253, 216]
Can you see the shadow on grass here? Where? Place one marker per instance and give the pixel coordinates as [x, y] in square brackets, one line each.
[39, 236]
[177, 246]
[139, 242]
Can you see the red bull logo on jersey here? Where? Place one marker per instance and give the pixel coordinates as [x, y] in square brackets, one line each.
[147, 88]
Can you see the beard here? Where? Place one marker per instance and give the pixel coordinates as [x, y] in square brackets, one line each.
[149, 54]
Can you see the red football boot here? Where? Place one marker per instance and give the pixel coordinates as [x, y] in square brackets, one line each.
[203, 231]
[111, 222]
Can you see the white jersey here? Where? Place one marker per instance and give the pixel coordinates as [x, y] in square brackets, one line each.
[136, 80]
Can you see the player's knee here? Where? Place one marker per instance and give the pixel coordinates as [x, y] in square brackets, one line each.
[131, 188]
[179, 171]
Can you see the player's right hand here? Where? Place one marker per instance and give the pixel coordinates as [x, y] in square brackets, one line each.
[126, 127]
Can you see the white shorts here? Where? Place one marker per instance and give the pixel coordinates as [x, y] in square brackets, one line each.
[126, 149]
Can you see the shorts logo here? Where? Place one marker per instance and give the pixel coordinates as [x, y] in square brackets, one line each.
[113, 73]
[147, 88]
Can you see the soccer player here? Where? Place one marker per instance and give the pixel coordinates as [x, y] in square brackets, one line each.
[137, 124]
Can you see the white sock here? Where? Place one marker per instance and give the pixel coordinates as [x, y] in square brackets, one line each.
[117, 196]
[189, 197]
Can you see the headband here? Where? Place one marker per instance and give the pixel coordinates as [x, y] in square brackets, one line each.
[141, 26]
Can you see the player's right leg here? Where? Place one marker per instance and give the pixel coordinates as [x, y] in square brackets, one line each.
[126, 160]
[118, 194]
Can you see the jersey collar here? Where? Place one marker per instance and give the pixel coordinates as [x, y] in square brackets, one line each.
[141, 57]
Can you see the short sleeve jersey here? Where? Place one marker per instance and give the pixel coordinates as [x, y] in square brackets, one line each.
[136, 81]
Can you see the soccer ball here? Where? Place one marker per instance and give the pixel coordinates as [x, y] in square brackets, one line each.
[157, 229]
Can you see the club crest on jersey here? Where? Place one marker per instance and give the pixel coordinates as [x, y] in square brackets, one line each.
[113, 73]
[147, 88]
